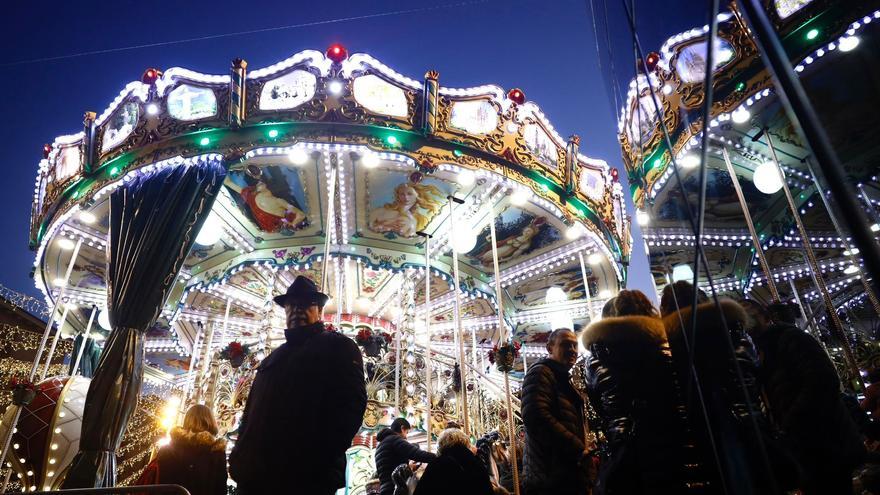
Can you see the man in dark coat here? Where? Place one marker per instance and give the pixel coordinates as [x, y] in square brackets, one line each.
[394, 450]
[803, 392]
[306, 404]
[555, 452]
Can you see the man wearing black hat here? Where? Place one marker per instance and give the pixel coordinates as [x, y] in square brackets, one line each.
[306, 404]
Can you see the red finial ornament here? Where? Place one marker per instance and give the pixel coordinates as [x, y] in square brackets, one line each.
[517, 96]
[337, 53]
[614, 174]
[652, 60]
[151, 75]
[47, 148]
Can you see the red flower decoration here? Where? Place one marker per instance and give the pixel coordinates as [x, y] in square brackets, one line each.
[363, 336]
[329, 328]
[387, 337]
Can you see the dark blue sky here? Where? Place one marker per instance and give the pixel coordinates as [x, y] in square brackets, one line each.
[545, 47]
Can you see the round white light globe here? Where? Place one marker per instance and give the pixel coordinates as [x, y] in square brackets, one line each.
[740, 115]
[682, 272]
[104, 319]
[642, 217]
[298, 156]
[848, 43]
[465, 177]
[463, 241]
[690, 160]
[555, 295]
[370, 160]
[520, 197]
[767, 179]
[210, 233]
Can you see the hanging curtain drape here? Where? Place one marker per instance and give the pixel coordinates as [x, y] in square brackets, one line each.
[90, 357]
[154, 219]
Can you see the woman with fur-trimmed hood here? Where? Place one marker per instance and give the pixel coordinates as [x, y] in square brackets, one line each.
[632, 385]
[726, 385]
[195, 458]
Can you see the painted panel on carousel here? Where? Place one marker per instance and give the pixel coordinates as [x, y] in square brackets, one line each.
[591, 182]
[68, 163]
[288, 91]
[250, 282]
[474, 116]
[475, 308]
[722, 204]
[519, 233]
[779, 257]
[271, 197]
[187, 102]
[120, 125]
[89, 272]
[541, 145]
[533, 292]
[297, 255]
[170, 362]
[721, 260]
[379, 96]
[400, 205]
[786, 8]
[439, 287]
[199, 254]
[372, 281]
[642, 121]
[690, 63]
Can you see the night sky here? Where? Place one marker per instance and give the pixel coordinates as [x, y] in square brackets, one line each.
[546, 48]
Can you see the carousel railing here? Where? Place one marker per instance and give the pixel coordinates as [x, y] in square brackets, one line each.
[121, 490]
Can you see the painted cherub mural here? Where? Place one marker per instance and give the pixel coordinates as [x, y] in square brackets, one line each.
[518, 242]
[269, 196]
[414, 205]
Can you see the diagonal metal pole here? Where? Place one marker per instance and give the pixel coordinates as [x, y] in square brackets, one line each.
[55, 339]
[428, 365]
[814, 265]
[797, 105]
[85, 338]
[756, 241]
[459, 330]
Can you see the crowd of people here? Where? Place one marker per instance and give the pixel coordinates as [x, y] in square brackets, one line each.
[722, 397]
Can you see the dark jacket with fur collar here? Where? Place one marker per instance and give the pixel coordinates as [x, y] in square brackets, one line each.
[196, 461]
[733, 407]
[553, 416]
[632, 385]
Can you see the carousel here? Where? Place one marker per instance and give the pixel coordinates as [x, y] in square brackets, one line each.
[773, 230]
[452, 228]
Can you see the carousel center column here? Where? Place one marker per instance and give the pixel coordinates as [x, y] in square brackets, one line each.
[154, 219]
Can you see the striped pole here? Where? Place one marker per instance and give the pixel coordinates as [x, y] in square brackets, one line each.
[430, 99]
[237, 93]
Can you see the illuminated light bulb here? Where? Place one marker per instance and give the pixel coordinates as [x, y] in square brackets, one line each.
[690, 160]
[298, 156]
[104, 320]
[850, 270]
[66, 244]
[33, 488]
[59, 282]
[574, 232]
[334, 87]
[520, 197]
[15, 446]
[210, 232]
[667, 89]
[464, 241]
[30, 473]
[594, 259]
[273, 133]
[848, 43]
[58, 430]
[766, 178]
[392, 140]
[205, 141]
[604, 294]
[642, 217]
[682, 272]
[812, 34]
[52, 460]
[740, 115]
[875, 227]
[555, 295]
[50, 474]
[370, 160]
[152, 109]
[465, 177]
[21, 460]
[87, 217]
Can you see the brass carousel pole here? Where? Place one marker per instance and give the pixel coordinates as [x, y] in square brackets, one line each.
[192, 363]
[502, 331]
[586, 287]
[225, 322]
[331, 212]
[85, 339]
[869, 291]
[54, 342]
[756, 242]
[814, 266]
[459, 330]
[36, 363]
[204, 363]
[428, 364]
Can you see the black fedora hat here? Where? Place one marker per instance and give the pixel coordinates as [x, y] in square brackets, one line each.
[302, 290]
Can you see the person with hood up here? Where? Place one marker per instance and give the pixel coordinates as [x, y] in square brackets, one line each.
[394, 450]
[803, 395]
[456, 471]
[723, 400]
[195, 459]
[633, 387]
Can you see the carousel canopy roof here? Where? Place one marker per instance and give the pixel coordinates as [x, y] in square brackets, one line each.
[829, 42]
[389, 151]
